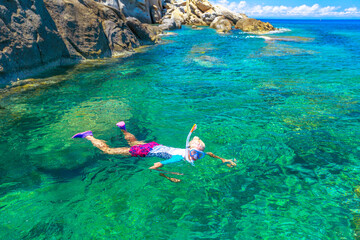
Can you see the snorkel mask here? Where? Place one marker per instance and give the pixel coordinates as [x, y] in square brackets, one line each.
[193, 153]
[196, 154]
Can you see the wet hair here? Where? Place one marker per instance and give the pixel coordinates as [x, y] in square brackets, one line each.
[197, 143]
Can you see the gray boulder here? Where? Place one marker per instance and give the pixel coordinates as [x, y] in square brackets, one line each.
[169, 24]
[221, 24]
[209, 16]
[147, 11]
[195, 10]
[90, 29]
[194, 20]
[232, 16]
[178, 16]
[145, 32]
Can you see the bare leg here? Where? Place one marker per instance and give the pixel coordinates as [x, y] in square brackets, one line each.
[175, 180]
[131, 139]
[100, 144]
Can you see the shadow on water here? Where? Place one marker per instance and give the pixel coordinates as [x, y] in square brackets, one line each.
[63, 174]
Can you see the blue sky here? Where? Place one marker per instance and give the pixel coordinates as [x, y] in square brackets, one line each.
[319, 9]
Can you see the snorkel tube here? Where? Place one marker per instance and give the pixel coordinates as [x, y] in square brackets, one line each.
[187, 148]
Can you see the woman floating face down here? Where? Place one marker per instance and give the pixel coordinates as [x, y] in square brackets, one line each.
[153, 149]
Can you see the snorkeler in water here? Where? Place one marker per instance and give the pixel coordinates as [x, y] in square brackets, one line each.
[194, 150]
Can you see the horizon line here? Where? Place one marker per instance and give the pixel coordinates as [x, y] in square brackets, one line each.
[304, 18]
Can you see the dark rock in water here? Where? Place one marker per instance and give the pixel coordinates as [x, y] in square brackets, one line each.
[145, 32]
[39, 34]
[90, 29]
[253, 25]
[35, 34]
[28, 36]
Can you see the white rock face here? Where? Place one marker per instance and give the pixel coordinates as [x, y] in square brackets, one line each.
[147, 11]
[222, 11]
[112, 3]
[202, 12]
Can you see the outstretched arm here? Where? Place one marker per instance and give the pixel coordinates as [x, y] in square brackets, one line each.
[230, 163]
[156, 166]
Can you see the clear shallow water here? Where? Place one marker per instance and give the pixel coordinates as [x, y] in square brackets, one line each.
[288, 111]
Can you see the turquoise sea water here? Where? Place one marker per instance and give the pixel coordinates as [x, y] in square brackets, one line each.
[287, 109]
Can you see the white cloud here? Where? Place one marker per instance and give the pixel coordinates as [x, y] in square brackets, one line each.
[353, 10]
[284, 11]
[304, 10]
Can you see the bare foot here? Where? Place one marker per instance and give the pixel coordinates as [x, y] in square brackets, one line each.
[175, 180]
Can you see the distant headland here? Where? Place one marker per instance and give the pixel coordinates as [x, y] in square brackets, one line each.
[38, 35]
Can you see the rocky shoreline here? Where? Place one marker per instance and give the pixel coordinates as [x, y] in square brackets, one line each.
[39, 35]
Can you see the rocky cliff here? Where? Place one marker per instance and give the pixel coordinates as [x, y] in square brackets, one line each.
[45, 33]
[41, 33]
[28, 36]
[203, 13]
[146, 11]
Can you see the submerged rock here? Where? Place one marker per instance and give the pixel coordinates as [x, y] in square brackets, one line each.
[273, 49]
[196, 27]
[286, 38]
